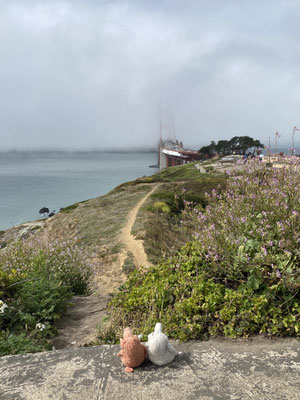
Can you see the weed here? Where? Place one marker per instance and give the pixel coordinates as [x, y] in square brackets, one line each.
[129, 264]
[116, 248]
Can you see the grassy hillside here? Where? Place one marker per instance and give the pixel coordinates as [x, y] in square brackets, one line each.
[238, 276]
[162, 223]
[77, 249]
[96, 223]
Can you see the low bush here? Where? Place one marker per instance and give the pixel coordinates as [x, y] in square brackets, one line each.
[35, 285]
[168, 201]
[21, 344]
[161, 206]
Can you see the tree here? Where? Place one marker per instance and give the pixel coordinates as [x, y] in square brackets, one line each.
[223, 147]
[210, 150]
[243, 144]
[236, 145]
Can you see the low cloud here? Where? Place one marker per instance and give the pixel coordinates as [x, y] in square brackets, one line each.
[92, 74]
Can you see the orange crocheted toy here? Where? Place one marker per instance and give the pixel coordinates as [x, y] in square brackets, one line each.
[133, 352]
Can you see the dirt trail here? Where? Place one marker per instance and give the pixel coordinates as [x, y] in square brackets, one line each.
[133, 245]
[78, 326]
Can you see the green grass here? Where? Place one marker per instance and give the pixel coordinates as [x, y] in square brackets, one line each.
[186, 172]
[179, 173]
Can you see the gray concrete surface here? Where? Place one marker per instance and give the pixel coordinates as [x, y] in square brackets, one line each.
[257, 369]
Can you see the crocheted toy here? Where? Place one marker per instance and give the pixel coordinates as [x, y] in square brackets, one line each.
[160, 350]
[133, 352]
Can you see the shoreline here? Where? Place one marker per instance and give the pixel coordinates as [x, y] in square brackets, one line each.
[57, 180]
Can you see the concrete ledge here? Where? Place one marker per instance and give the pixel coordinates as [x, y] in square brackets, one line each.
[217, 369]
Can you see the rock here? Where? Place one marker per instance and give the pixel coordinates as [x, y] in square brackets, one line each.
[44, 210]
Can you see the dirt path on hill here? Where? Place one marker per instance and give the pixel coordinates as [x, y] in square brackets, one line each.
[133, 245]
[79, 326]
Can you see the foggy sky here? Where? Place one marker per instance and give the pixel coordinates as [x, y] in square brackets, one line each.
[92, 74]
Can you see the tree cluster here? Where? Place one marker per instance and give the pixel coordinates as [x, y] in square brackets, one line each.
[237, 145]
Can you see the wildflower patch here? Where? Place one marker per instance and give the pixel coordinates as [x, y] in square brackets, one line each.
[238, 276]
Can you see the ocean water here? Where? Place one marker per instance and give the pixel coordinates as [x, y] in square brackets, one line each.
[30, 181]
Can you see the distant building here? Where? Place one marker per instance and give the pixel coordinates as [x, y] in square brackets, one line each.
[172, 152]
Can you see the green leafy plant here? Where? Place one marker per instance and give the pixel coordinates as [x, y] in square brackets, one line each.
[35, 284]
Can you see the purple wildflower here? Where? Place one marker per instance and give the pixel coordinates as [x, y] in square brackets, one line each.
[278, 274]
[264, 250]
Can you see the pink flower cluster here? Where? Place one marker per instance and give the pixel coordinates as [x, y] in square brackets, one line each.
[255, 218]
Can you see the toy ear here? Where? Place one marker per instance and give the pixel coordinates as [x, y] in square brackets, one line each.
[158, 328]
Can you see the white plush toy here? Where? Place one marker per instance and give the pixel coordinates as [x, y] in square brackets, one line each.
[160, 350]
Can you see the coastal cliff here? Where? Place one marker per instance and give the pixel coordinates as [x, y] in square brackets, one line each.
[216, 261]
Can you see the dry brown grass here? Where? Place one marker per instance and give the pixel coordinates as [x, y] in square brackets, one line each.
[95, 224]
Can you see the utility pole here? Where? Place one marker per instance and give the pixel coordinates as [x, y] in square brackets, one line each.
[293, 140]
[277, 136]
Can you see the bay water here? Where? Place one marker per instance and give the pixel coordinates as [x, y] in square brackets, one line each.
[32, 180]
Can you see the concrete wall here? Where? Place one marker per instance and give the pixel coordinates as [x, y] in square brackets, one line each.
[162, 159]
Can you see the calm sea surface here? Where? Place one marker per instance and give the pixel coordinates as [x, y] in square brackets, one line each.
[30, 181]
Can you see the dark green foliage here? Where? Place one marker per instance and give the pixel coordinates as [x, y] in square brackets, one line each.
[176, 195]
[21, 344]
[174, 201]
[35, 286]
[236, 145]
[38, 299]
[192, 304]
[41, 297]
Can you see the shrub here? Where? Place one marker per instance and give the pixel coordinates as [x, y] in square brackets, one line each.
[169, 201]
[161, 206]
[35, 285]
[20, 344]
